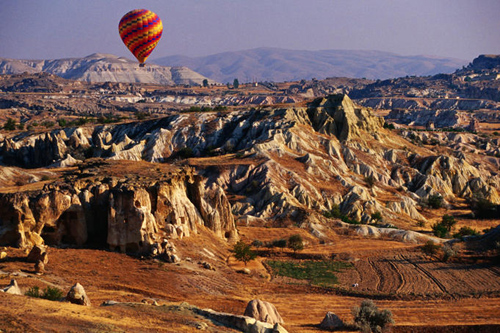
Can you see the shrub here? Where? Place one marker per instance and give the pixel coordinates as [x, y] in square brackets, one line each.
[47, 124]
[10, 125]
[281, 243]
[430, 248]
[377, 216]
[448, 252]
[53, 294]
[243, 252]
[421, 223]
[140, 115]
[257, 243]
[439, 230]
[370, 319]
[465, 231]
[389, 126]
[33, 292]
[483, 208]
[370, 181]
[448, 221]
[50, 293]
[62, 122]
[435, 201]
[296, 243]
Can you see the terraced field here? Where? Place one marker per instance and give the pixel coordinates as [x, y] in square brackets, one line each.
[409, 273]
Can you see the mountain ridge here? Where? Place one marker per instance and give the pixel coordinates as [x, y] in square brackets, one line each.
[99, 67]
[275, 64]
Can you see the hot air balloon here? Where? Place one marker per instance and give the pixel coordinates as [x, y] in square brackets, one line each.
[140, 30]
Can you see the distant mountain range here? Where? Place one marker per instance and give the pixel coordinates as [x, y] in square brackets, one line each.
[104, 68]
[273, 64]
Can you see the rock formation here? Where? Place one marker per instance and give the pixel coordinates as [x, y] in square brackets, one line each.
[104, 68]
[125, 214]
[77, 295]
[38, 253]
[12, 288]
[331, 322]
[263, 311]
[281, 163]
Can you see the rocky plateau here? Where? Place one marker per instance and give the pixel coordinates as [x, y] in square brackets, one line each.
[278, 166]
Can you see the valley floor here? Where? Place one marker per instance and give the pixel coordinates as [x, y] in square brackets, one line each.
[419, 290]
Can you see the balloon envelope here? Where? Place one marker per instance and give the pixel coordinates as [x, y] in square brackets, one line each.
[140, 30]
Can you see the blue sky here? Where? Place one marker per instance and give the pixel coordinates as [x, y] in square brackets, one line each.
[52, 29]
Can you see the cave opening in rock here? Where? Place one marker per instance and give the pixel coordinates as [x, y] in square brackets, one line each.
[50, 235]
[97, 226]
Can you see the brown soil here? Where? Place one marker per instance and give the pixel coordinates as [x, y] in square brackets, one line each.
[396, 275]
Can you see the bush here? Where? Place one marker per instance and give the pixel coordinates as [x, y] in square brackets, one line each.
[430, 248]
[296, 243]
[443, 229]
[484, 209]
[435, 201]
[377, 216]
[281, 243]
[370, 181]
[448, 221]
[257, 243]
[389, 126]
[140, 115]
[10, 125]
[62, 122]
[243, 252]
[50, 293]
[439, 230]
[465, 231]
[448, 252]
[370, 319]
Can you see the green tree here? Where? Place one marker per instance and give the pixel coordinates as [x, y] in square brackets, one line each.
[435, 201]
[10, 125]
[236, 84]
[448, 221]
[370, 319]
[439, 230]
[281, 243]
[243, 252]
[62, 122]
[296, 243]
[205, 83]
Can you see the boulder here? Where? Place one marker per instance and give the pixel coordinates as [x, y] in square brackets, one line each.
[38, 252]
[3, 255]
[77, 295]
[39, 267]
[263, 311]
[12, 288]
[331, 322]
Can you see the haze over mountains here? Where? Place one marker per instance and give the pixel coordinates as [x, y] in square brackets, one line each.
[262, 64]
[274, 64]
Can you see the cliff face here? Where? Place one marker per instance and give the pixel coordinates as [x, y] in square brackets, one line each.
[125, 214]
[278, 164]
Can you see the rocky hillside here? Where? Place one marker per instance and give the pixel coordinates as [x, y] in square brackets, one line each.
[280, 165]
[273, 64]
[104, 68]
[102, 205]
